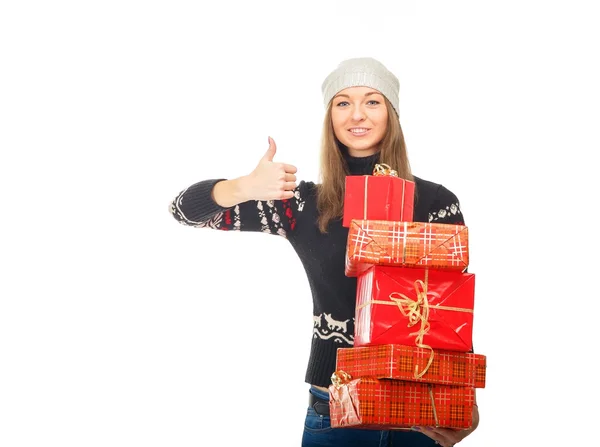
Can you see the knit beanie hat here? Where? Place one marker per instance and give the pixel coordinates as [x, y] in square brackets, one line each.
[364, 72]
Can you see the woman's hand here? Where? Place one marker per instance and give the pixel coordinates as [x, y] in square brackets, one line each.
[447, 437]
[269, 180]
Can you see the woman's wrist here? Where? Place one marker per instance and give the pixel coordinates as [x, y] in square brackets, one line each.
[228, 193]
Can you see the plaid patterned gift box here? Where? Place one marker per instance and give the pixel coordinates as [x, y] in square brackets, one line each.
[381, 196]
[382, 404]
[406, 244]
[431, 309]
[401, 362]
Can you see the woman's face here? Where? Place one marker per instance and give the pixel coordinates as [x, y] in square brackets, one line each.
[359, 116]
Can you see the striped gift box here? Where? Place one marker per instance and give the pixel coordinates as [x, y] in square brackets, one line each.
[393, 361]
[383, 404]
[406, 244]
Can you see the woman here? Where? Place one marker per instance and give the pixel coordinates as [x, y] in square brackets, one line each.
[361, 128]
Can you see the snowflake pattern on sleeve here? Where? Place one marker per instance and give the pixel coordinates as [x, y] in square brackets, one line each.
[450, 212]
[267, 216]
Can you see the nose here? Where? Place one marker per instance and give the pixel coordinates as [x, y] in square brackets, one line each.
[358, 114]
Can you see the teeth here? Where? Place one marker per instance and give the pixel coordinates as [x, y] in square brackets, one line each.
[358, 130]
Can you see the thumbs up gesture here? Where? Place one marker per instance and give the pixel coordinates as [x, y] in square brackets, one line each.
[270, 180]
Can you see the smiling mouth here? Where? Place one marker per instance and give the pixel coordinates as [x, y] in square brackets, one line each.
[359, 131]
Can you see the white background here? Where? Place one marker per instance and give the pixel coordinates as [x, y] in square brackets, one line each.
[120, 327]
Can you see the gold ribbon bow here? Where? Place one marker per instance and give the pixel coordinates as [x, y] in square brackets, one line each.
[416, 311]
[383, 169]
[339, 378]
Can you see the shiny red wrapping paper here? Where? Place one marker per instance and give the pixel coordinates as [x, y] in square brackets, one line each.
[382, 404]
[378, 197]
[406, 244]
[394, 361]
[426, 308]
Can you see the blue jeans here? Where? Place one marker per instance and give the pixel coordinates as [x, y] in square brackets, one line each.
[318, 433]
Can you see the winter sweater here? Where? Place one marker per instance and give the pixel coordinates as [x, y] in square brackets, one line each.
[322, 255]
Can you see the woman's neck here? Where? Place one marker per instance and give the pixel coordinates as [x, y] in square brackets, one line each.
[360, 165]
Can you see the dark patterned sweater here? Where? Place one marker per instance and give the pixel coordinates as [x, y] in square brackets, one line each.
[322, 255]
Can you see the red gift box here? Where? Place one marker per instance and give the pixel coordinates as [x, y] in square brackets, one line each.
[378, 197]
[406, 244]
[426, 308]
[382, 404]
[403, 362]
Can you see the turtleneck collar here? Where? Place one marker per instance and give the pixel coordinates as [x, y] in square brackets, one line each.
[360, 165]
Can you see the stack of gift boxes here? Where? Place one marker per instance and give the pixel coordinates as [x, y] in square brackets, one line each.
[412, 362]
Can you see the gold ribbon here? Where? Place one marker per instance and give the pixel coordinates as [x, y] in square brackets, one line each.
[383, 169]
[339, 378]
[366, 200]
[435, 418]
[417, 311]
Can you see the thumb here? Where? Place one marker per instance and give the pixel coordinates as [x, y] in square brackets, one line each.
[271, 151]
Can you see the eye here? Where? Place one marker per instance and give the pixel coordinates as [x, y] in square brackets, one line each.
[373, 102]
[341, 104]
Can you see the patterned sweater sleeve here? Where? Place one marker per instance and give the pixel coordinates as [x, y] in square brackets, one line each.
[445, 208]
[195, 207]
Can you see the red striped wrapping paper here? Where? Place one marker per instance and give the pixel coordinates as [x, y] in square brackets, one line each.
[382, 404]
[406, 244]
[394, 361]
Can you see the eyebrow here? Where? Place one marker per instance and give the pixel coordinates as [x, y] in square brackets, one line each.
[366, 94]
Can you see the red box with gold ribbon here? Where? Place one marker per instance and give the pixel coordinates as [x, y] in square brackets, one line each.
[406, 244]
[381, 196]
[431, 309]
[382, 404]
[402, 362]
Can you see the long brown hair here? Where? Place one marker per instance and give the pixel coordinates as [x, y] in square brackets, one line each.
[333, 166]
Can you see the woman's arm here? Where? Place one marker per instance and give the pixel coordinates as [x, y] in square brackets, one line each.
[212, 204]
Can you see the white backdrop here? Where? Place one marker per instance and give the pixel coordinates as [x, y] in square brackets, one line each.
[120, 327]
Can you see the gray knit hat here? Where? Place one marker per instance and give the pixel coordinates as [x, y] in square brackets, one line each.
[364, 72]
